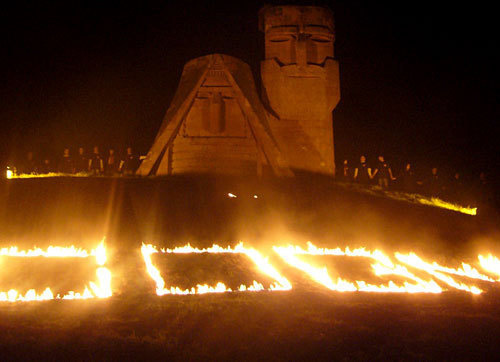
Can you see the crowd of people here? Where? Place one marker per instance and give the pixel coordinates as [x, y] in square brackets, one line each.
[380, 174]
[82, 163]
[432, 184]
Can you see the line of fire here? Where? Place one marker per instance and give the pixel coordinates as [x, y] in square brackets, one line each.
[218, 129]
[238, 204]
[383, 265]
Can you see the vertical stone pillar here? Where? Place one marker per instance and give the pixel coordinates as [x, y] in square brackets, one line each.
[301, 83]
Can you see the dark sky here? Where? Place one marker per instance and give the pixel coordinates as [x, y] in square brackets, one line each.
[419, 82]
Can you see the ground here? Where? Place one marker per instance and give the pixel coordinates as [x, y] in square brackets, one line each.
[309, 322]
[295, 325]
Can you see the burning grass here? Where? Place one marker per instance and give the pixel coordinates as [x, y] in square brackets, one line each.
[415, 275]
[310, 321]
[306, 322]
[412, 198]
[37, 269]
[262, 264]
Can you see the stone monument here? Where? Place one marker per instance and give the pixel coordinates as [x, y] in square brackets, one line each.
[301, 83]
[218, 124]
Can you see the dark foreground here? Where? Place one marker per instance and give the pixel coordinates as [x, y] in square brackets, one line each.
[255, 326]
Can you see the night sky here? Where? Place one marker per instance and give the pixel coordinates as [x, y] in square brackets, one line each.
[419, 82]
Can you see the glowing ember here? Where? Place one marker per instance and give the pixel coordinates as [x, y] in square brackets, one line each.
[434, 201]
[9, 173]
[45, 175]
[384, 266]
[262, 263]
[230, 195]
[412, 198]
[100, 289]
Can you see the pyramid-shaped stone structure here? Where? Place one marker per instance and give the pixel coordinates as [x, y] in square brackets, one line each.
[216, 123]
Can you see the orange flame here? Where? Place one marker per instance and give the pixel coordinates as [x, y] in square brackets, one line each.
[385, 266]
[281, 283]
[100, 289]
[434, 269]
[491, 264]
[434, 201]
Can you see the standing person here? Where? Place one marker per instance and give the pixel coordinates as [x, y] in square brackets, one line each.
[346, 172]
[28, 166]
[434, 184]
[407, 179]
[96, 164]
[362, 173]
[111, 163]
[46, 167]
[129, 163]
[484, 194]
[456, 190]
[81, 162]
[383, 173]
[66, 164]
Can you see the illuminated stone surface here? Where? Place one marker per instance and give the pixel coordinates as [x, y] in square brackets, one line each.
[301, 83]
[215, 124]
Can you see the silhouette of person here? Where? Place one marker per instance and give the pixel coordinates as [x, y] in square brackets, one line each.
[346, 172]
[129, 163]
[407, 179]
[383, 173]
[362, 173]
[111, 163]
[96, 164]
[29, 166]
[81, 162]
[46, 167]
[484, 192]
[456, 189]
[66, 164]
[434, 184]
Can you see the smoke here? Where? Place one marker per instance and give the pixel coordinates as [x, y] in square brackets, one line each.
[173, 211]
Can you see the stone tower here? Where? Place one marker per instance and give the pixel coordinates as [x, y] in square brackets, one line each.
[301, 83]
